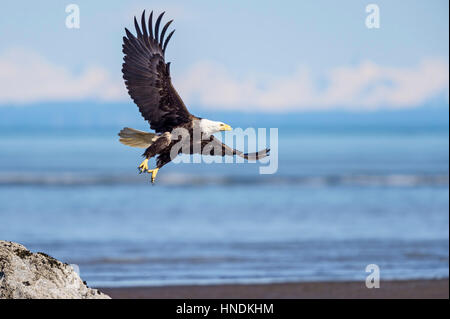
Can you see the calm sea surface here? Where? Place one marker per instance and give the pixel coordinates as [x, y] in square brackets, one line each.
[341, 199]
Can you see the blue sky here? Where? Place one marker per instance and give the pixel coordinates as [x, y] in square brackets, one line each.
[255, 55]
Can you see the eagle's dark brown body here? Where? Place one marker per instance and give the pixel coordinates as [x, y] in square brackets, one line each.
[164, 144]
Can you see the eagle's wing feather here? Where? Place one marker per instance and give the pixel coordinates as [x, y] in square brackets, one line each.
[147, 76]
[215, 147]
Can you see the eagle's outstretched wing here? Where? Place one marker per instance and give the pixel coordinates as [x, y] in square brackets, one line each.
[215, 147]
[147, 76]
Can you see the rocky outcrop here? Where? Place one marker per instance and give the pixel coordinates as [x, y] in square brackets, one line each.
[24, 274]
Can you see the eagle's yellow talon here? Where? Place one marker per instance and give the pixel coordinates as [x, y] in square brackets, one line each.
[144, 166]
[154, 172]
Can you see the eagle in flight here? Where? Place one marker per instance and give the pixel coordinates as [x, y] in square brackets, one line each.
[147, 78]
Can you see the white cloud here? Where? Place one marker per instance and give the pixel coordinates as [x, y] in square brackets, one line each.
[362, 87]
[26, 78]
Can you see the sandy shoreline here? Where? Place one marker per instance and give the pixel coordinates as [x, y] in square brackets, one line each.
[388, 289]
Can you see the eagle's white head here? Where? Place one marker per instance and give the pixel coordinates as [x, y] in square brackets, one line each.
[209, 127]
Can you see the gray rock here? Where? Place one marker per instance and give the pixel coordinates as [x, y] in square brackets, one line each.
[24, 274]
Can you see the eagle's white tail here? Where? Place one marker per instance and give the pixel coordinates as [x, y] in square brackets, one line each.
[136, 138]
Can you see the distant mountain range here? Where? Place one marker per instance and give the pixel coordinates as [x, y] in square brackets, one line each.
[97, 115]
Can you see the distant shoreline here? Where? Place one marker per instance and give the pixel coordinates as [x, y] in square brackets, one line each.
[416, 289]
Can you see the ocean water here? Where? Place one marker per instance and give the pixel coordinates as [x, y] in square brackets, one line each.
[341, 199]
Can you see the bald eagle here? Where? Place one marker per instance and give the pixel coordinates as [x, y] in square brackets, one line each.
[147, 78]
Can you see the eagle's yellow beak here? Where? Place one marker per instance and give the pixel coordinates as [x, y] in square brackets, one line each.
[225, 127]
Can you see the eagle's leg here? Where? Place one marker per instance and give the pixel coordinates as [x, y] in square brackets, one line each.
[153, 172]
[144, 166]
[151, 151]
[160, 146]
[163, 159]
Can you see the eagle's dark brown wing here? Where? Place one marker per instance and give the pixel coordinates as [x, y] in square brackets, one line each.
[215, 147]
[147, 76]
